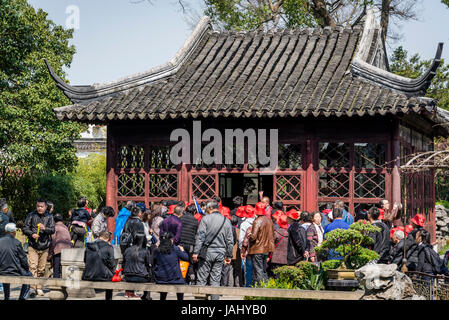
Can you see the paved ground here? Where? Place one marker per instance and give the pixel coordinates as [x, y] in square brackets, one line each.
[118, 295]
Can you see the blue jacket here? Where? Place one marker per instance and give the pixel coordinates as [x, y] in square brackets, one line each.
[336, 224]
[347, 217]
[166, 266]
[122, 216]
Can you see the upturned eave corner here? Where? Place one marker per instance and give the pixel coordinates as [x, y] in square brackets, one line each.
[362, 64]
[85, 93]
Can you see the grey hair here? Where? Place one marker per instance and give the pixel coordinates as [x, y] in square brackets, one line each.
[399, 234]
[212, 205]
[5, 206]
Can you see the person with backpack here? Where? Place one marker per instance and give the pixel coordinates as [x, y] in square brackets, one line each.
[4, 220]
[428, 260]
[120, 221]
[78, 225]
[137, 264]
[99, 261]
[59, 240]
[381, 239]
[132, 227]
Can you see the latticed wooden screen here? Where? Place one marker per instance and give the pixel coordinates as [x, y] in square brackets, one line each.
[353, 172]
[204, 186]
[145, 173]
[288, 188]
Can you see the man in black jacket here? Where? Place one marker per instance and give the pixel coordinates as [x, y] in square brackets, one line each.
[189, 226]
[397, 252]
[99, 261]
[13, 260]
[381, 239]
[38, 227]
[297, 239]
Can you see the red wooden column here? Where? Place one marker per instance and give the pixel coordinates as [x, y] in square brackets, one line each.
[311, 184]
[395, 174]
[111, 183]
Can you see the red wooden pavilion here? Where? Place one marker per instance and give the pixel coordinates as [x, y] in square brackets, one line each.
[344, 120]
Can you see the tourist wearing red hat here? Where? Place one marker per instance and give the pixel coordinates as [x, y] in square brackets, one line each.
[315, 235]
[261, 243]
[238, 209]
[297, 239]
[279, 257]
[389, 216]
[417, 222]
[247, 266]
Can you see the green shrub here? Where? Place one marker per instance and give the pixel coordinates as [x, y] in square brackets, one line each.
[443, 203]
[351, 244]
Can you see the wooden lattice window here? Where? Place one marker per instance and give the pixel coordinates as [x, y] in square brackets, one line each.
[290, 156]
[369, 155]
[131, 157]
[160, 157]
[369, 185]
[204, 186]
[333, 185]
[334, 155]
[288, 187]
[131, 185]
[164, 185]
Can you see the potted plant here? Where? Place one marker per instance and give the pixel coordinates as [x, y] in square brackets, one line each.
[350, 248]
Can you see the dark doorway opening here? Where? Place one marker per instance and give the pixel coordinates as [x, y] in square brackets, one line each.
[246, 185]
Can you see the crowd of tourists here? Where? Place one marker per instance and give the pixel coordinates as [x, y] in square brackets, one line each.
[217, 245]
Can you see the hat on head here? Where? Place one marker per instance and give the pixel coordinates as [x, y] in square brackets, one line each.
[381, 214]
[277, 215]
[419, 220]
[225, 211]
[171, 209]
[141, 206]
[327, 211]
[292, 214]
[10, 227]
[260, 209]
[240, 212]
[187, 204]
[282, 221]
[249, 211]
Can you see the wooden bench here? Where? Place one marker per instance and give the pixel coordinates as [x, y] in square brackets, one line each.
[62, 284]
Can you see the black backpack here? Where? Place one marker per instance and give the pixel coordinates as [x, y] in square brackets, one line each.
[437, 263]
[4, 220]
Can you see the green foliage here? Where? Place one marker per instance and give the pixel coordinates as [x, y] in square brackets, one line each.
[58, 189]
[351, 244]
[330, 264]
[90, 179]
[443, 203]
[446, 2]
[238, 15]
[33, 142]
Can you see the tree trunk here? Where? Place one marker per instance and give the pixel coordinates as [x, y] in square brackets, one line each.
[384, 18]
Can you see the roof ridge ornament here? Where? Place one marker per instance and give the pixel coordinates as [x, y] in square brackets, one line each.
[367, 62]
[86, 93]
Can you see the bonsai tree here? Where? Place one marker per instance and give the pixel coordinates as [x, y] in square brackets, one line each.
[351, 245]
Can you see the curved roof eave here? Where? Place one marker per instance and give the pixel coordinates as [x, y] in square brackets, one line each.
[86, 93]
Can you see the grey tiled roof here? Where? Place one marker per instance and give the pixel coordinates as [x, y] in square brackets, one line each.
[289, 73]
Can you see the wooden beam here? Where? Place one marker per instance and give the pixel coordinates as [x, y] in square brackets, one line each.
[208, 290]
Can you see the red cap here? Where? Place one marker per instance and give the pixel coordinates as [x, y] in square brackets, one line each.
[282, 221]
[198, 216]
[277, 215]
[327, 211]
[260, 209]
[171, 209]
[293, 214]
[382, 214]
[419, 220]
[187, 204]
[240, 212]
[249, 211]
[408, 228]
[225, 211]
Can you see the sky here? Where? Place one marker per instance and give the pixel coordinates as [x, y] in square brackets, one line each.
[115, 39]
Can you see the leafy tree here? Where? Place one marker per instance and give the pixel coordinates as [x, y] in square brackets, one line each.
[33, 142]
